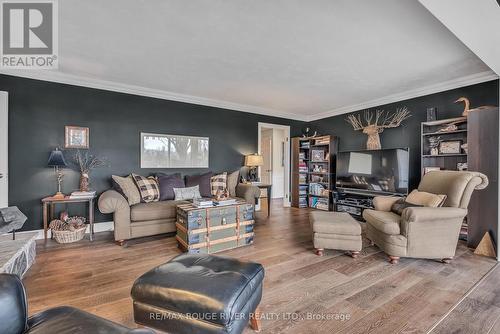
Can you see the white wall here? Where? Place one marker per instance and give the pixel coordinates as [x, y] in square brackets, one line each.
[278, 190]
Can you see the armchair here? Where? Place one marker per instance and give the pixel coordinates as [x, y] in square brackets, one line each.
[424, 232]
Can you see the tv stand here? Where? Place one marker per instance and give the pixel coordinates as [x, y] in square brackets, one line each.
[354, 203]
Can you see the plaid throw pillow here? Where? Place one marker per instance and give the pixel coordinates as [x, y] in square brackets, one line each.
[218, 182]
[148, 187]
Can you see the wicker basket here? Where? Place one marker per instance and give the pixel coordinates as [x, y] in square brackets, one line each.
[66, 237]
[72, 229]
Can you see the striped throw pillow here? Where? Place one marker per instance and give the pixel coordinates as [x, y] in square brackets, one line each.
[218, 183]
[148, 187]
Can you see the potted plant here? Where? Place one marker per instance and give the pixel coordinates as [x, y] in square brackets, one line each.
[86, 162]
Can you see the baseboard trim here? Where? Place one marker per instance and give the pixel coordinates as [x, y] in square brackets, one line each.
[98, 227]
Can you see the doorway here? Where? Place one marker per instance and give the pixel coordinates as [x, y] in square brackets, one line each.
[4, 146]
[274, 146]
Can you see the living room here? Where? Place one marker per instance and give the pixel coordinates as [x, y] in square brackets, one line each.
[233, 167]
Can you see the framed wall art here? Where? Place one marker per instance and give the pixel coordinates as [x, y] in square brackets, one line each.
[76, 137]
[450, 147]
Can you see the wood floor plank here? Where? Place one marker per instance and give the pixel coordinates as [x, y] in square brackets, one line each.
[303, 293]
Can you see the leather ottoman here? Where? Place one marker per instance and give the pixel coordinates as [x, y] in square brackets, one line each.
[335, 230]
[199, 293]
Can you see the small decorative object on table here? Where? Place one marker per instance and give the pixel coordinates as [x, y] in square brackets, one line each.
[86, 162]
[76, 137]
[68, 231]
[450, 147]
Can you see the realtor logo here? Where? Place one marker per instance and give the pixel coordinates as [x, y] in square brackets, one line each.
[29, 34]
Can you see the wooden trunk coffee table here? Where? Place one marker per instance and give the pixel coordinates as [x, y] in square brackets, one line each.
[214, 229]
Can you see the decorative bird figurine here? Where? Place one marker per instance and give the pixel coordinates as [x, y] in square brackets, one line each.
[467, 109]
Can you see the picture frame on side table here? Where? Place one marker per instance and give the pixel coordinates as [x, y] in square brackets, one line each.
[450, 147]
[76, 137]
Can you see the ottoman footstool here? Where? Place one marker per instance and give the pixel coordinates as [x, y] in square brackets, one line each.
[335, 230]
[199, 293]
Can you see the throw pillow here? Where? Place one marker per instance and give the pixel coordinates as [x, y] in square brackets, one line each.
[202, 180]
[148, 188]
[182, 194]
[126, 186]
[218, 183]
[425, 199]
[402, 204]
[167, 183]
[232, 182]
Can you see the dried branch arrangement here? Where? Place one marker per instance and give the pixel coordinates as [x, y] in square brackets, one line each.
[86, 161]
[375, 123]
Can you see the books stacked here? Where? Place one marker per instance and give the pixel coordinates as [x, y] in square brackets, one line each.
[302, 156]
[302, 202]
[319, 203]
[302, 167]
[224, 202]
[305, 144]
[322, 141]
[203, 202]
[316, 189]
[82, 194]
[302, 178]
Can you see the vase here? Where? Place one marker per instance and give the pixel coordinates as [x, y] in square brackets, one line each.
[84, 182]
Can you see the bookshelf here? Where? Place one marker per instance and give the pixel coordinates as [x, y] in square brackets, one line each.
[313, 171]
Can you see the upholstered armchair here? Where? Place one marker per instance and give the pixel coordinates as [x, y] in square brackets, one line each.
[424, 232]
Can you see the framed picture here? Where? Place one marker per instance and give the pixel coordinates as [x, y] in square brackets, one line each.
[76, 137]
[430, 169]
[450, 147]
[461, 166]
[317, 155]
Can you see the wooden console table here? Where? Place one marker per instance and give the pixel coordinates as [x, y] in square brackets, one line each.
[48, 204]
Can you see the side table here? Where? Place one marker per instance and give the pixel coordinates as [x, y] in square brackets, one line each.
[49, 203]
[268, 187]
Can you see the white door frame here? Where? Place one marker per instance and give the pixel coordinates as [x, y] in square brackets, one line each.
[286, 128]
[4, 149]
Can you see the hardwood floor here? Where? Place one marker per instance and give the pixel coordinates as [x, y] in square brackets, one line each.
[343, 295]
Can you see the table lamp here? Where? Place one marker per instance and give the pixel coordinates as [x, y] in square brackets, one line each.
[253, 161]
[56, 160]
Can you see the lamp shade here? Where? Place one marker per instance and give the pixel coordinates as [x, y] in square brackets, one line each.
[56, 159]
[254, 160]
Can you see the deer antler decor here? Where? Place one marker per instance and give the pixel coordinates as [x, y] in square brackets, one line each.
[382, 121]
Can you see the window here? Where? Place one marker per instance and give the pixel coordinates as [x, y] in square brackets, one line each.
[173, 151]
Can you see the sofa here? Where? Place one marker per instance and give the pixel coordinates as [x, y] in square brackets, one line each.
[424, 232]
[59, 320]
[147, 219]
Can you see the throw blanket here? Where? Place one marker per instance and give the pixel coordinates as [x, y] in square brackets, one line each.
[11, 219]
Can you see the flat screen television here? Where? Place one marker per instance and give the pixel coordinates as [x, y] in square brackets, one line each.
[375, 171]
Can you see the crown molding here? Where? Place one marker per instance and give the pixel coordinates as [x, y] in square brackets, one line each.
[58, 77]
[75, 80]
[410, 94]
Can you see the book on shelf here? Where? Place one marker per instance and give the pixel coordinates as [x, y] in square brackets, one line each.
[82, 194]
[305, 144]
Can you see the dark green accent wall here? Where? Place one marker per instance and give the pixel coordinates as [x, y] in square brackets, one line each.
[39, 110]
[408, 134]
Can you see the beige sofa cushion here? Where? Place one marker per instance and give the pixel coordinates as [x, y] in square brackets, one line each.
[154, 210]
[385, 222]
[425, 199]
[129, 189]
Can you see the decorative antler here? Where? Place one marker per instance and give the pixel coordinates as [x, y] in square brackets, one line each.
[395, 119]
[373, 129]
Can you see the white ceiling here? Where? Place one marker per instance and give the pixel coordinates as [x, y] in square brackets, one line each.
[292, 58]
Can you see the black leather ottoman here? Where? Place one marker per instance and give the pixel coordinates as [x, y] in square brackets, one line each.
[196, 293]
